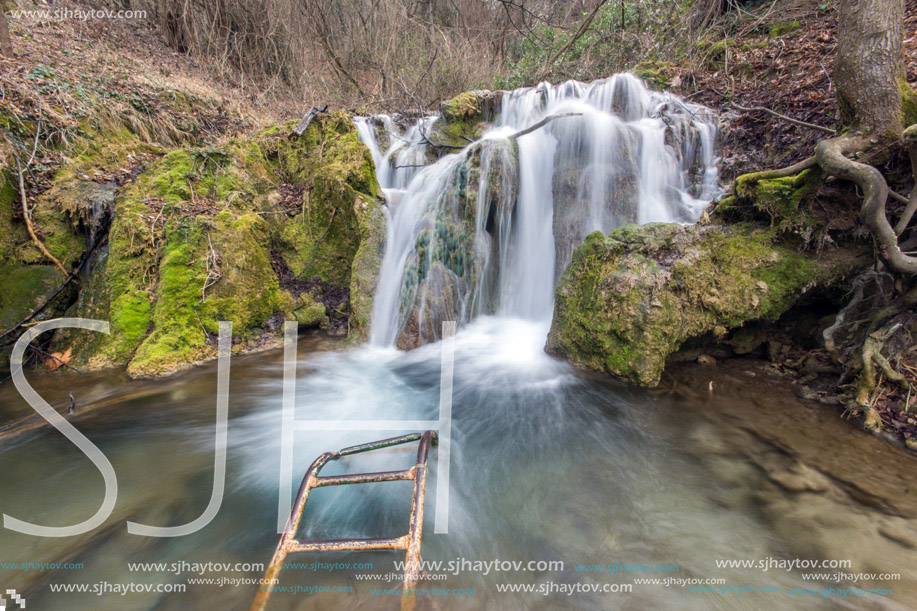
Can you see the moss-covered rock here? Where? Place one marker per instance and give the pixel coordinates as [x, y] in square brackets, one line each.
[462, 120]
[784, 202]
[322, 239]
[632, 298]
[471, 106]
[204, 235]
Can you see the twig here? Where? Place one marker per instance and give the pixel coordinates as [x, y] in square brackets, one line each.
[826, 130]
[56, 358]
[28, 223]
[542, 123]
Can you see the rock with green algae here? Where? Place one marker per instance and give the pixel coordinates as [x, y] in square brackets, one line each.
[632, 298]
[462, 120]
[23, 288]
[456, 251]
[192, 243]
[783, 202]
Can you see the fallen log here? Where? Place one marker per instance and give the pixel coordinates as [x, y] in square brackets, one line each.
[300, 129]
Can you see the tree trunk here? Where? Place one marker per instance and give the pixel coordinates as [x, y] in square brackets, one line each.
[869, 69]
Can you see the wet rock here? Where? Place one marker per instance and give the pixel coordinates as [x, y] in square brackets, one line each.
[439, 299]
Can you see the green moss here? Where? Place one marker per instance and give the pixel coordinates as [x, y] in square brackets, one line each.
[630, 299]
[192, 240]
[465, 107]
[248, 291]
[782, 28]
[12, 234]
[23, 288]
[657, 74]
[755, 45]
[130, 322]
[306, 311]
[908, 103]
[178, 337]
[783, 202]
[123, 282]
[104, 143]
[323, 240]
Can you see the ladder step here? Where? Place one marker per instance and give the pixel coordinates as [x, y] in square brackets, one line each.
[331, 545]
[364, 478]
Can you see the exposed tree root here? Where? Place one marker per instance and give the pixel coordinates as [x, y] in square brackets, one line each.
[828, 334]
[838, 157]
[872, 357]
[831, 155]
[792, 170]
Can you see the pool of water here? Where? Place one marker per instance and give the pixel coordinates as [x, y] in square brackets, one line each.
[549, 463]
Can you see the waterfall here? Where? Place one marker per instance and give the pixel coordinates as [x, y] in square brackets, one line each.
[489, 228]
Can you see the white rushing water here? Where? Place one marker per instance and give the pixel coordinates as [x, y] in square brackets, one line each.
[617, 153]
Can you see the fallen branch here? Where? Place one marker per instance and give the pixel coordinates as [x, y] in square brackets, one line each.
[30, 227]
[541, 124]
[826, 130]
[300, 129]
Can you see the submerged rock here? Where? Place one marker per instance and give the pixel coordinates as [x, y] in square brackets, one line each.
[630, 299]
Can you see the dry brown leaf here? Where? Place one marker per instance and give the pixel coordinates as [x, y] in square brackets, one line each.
[57, 359]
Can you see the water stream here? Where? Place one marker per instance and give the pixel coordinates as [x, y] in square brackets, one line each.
[549, 464]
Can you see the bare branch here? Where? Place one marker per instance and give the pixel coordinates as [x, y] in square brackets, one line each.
[30, 227]
[826, 130]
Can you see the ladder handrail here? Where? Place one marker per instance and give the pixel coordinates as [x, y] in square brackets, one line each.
[410, 542]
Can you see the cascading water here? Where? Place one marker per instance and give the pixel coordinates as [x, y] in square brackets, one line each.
[490, 228]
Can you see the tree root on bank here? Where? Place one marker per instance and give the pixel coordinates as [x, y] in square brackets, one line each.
[872, 357]
[831, 156]
[838, 157]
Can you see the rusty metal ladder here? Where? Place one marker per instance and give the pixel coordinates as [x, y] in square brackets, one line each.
[409, 542]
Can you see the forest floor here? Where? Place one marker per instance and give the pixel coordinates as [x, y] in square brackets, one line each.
[779, 59]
